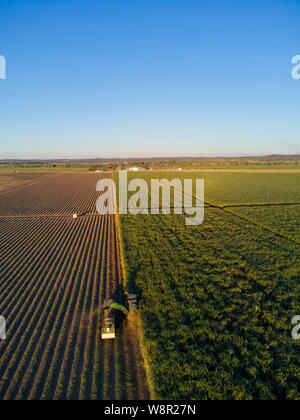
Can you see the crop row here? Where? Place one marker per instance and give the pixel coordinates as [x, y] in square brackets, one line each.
[52, 288]
[55, 274]
[61, 194]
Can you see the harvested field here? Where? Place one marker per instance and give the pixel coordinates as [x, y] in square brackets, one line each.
[55, 273]
[61, 194]
[13, 181]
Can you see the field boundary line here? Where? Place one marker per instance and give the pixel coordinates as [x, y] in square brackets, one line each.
[28, 185]
[266, 228]
[38, 216]
[140, 329]
[270, 230]
[224, 209]
[226, 206]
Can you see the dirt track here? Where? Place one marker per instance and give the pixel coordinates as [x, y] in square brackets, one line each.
[125, 350]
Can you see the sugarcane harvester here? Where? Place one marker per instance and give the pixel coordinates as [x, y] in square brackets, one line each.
[108, 329]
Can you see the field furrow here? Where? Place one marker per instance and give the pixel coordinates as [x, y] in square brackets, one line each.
[55, 273]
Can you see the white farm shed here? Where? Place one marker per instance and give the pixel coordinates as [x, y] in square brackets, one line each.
[136, 169]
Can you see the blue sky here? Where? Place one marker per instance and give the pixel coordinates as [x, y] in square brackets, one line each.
[118, 78]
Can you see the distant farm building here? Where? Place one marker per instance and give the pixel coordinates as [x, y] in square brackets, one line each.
[136, 169]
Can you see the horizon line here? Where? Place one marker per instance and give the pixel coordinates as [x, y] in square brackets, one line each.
[152, 157]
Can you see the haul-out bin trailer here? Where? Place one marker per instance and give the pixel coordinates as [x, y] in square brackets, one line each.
[132, 302]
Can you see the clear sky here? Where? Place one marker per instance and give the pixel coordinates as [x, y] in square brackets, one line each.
[117, 78]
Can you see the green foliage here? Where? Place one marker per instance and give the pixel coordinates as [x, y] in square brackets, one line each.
[282, 219]
[217, 300]
[119, 308]
[223, 188]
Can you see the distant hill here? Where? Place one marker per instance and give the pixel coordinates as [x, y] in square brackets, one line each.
[273, 157]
